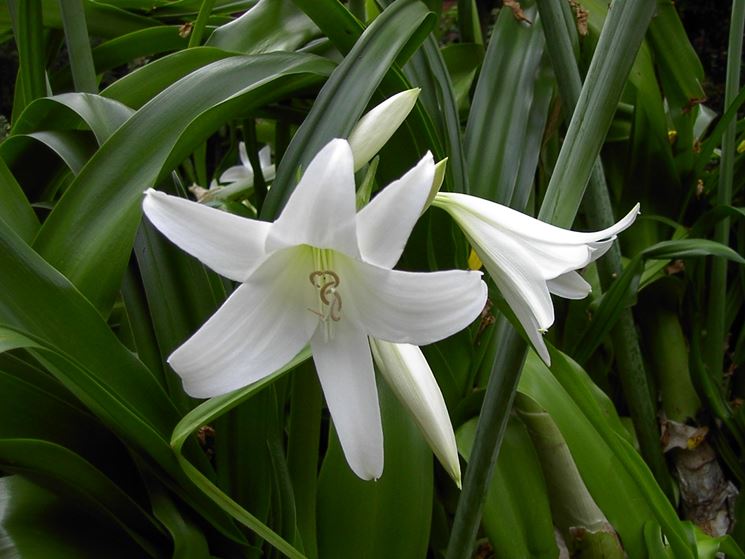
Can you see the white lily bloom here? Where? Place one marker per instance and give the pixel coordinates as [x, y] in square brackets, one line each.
[377, 126]
[528, 258]
[408, 374]
[245, 172]
[321, 273]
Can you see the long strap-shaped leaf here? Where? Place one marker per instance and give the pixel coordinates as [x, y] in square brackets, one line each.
[89, 234]
[619, 41]
[346, 93]
[207, 412]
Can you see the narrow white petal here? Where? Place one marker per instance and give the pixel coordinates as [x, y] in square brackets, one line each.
[265, 157]
[569, 286]
[229, 244]
[384, 225]
[263, 325]
[528, 227]
[322, 209]
[237, 173]
[408, 307]
[347, 377]
[377, 126]
[408, 374]
[243, 154]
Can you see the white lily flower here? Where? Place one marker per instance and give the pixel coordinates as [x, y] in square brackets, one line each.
[528, 258]
[321, 273]
[377, 126]
[244, 172]
[407, 372]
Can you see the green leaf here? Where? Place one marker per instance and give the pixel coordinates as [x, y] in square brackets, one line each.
[386, 518]
[207, 412]
[269, 26]
[517, 517]
[69, 532]
[348, 90]
[15, 209]
[614, 55]
[89, 234]
[498, 120]
[60, 470]
[607, 462]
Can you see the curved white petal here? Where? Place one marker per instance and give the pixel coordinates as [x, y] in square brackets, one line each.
[321, 211]
[408, 307]
[261, 326]
[569, 286]
[229, 244]
[265, 157]
[347, 377]
[243, 154]
[377, 126]
[528, 227]
[384, 225]
[237, 173]
[408, 374]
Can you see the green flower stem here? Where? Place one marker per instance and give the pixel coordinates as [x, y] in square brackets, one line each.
[197, 32]
[495, 411]
[357, 7]
[78, 46]
[619, 41]
[304, 436]
[631, 370]
[715, 324]
[29, 33]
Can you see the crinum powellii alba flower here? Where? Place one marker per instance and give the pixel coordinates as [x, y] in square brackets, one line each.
[321, 273]
[529, 259]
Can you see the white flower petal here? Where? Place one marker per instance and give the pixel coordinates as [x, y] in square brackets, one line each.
[261, 326]
[229, 244]
[528, 227]
[408, 307]
[347, 377]
[384, 225]
[569, 286]
[265, 157]
[408, 374]
[321, 211]
[511, 266]
[237, 173]
[377, 126]
[243, 154]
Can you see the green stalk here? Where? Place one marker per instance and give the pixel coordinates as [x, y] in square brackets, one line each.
[622, 34]
[715, 324]
[29, 32]
[495, 411]
[619, 41]
[630, 363]
[468, 22]
[302, 452]
[78, 46]
[197, 32]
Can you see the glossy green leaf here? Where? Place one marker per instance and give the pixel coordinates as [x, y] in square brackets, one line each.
[15, 209]
[607, 462]
[346, 93]
[89, 234]
[59, 469]
[271, 25]
[69, 531]
[497, 121]
[386, 518]
[517, 517]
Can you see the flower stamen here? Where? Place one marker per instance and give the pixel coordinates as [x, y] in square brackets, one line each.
[326, 281]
